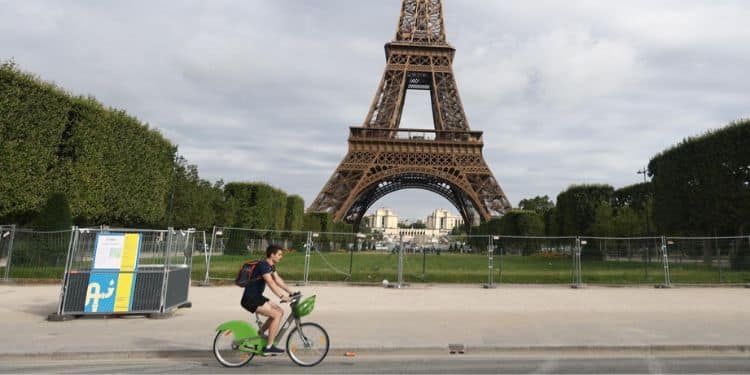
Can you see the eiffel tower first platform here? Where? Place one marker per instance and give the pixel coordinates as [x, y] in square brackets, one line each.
[384, 158]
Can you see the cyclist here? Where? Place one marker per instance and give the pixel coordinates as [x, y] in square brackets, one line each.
[254, 301]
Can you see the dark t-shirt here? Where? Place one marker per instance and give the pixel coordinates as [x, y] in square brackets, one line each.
[258, 286]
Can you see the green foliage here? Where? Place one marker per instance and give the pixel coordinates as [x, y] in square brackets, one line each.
[543, 206]
[629, 222]
[318, 222]
[54, 215]
[194, 202]
[540, 205]
[256, 205]
[341, 227]
[33, 117]
[702, 185]
[112, 168]
[591, 251]
[603, 224]
[295, 213]
[576, 208]
[513, 223]
[521, 223]
[416, 225]
[634, 196]
[740, 259]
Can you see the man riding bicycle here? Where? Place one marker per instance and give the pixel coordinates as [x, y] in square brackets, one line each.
[254, 301]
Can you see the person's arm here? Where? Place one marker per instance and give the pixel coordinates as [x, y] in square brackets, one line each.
[268, 277]
[281, 283]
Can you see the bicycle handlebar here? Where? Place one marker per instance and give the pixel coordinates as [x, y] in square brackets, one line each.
[294, 297]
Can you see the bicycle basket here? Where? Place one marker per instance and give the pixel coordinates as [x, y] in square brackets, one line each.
[305, 307]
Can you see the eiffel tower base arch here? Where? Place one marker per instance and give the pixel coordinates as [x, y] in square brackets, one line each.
[386, 182]
[376, 166]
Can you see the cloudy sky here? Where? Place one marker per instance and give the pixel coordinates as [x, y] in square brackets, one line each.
[566, 92]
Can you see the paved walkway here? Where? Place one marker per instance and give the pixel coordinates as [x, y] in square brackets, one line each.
[422, 317]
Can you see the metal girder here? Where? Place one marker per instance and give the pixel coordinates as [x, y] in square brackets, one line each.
[384, 158]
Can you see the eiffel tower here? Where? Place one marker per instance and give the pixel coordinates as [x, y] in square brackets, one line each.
[384, 158]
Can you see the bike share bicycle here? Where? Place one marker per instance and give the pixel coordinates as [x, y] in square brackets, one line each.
[237, 341]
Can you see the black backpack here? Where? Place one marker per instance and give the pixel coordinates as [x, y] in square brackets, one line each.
[245, 274]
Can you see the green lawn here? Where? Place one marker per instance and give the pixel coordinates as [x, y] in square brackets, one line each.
[445, 268]
[466, 268]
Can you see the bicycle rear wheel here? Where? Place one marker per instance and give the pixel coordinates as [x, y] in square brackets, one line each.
[307, 344]
[227, 351]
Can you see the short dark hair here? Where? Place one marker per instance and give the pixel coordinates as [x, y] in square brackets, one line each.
[273, 249]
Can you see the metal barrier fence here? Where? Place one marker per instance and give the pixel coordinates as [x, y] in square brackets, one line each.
[126, 271]
[352, 257]
[712, 259]
[616, 260]
[489, 260]
[7, 234]
[32, 255]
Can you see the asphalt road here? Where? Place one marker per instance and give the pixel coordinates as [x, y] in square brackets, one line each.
[447, 364]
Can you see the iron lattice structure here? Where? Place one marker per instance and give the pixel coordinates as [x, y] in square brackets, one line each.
[384, 158]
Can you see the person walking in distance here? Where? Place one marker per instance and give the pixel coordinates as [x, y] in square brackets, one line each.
[254, 301]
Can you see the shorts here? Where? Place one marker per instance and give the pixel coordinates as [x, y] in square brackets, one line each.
[252, 302]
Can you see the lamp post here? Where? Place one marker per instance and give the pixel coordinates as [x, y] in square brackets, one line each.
[644, 171]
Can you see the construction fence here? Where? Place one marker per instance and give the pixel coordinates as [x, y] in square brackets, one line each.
[487, 260]
[371, 258]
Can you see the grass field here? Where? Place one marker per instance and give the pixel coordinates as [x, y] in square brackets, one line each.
[467, 268]
[371, 267]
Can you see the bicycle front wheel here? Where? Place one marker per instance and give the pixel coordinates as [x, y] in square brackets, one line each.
[307, 344]
[227, 350]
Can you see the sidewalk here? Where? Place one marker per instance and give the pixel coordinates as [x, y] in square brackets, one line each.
[418, 318]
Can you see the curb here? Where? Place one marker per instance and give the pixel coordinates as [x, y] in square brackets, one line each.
[615, 351]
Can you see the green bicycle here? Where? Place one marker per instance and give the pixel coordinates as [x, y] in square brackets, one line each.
[237, 341]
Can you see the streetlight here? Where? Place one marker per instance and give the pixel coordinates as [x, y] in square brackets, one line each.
[644, 171]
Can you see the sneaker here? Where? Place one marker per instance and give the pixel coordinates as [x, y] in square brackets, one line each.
[273, 350]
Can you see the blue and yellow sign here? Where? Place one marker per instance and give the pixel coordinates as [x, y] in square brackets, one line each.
[112, 280]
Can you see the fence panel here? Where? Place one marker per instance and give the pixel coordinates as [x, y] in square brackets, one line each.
[7, 234]
[616, 260]
[536, 260]
[709, 259]
[343, 257]
[37, 255]
[230, 247]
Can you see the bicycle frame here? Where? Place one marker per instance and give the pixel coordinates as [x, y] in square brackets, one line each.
[247, 337]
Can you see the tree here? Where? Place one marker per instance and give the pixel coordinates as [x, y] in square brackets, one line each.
[576, 208]
[702, 185]
[603, 221]
[295, 211]
[629, 222]
[540, 205]
[111, 167]
[193, 200]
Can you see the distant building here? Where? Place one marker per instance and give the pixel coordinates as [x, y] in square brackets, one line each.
[439, 224]
[383, 218]
[443, 220]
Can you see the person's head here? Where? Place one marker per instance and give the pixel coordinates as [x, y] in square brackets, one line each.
[274, 252]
